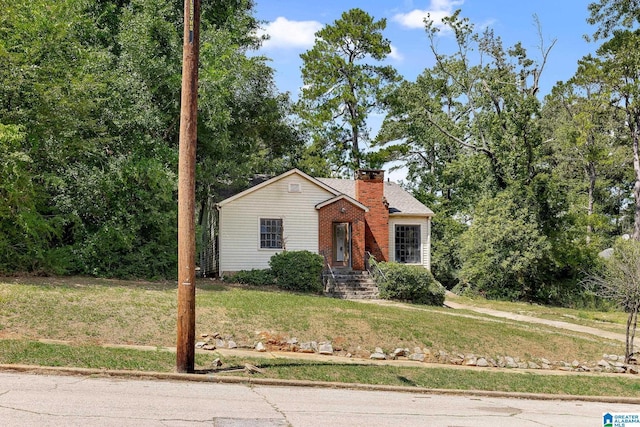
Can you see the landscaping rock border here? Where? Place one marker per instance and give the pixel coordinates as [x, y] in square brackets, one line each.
[610, 363]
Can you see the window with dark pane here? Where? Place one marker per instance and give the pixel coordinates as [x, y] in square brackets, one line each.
[408, 244]
[271, 233]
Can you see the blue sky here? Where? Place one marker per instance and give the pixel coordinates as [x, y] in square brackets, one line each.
[291, 25]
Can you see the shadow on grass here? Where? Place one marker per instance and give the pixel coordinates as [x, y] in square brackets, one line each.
[407, 381]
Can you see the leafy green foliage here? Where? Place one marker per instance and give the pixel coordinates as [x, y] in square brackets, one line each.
[406, 282]
[505, 177]
[23, 229]
[503, 251]
[611, 15]
[253, 277]
[445, 249]
[89, 104]
[298, 270]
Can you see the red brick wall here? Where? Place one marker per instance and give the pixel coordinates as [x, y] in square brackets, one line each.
[342, 211]
[370, 192]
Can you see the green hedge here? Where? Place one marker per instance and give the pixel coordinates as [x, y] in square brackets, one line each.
[298, 270]
[254, 277]
[405, 282]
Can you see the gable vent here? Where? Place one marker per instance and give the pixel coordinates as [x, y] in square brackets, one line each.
[295, 187]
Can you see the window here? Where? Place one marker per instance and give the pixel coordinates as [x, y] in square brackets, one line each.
[271, 233]
[295, 187]
[408, 244]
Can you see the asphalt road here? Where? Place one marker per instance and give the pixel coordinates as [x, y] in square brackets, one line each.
[51, 400]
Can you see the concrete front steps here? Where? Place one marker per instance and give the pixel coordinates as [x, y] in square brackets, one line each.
[350, 285]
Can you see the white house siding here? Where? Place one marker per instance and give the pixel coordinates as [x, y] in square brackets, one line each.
[425, 236]
[240, 222]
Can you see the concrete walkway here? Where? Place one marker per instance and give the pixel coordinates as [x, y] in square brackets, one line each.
[455, 306]
[537, 320]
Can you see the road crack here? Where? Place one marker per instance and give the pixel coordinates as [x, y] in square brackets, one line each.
[272, 404]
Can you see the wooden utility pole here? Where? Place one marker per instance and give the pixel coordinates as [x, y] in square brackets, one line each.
[185, 350]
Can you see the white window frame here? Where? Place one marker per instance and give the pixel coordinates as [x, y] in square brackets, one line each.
[278, 239]
[417, 241]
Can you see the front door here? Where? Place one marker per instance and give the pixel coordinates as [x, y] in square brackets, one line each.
[342, 244]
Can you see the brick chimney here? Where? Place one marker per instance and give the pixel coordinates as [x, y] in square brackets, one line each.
[370, 192]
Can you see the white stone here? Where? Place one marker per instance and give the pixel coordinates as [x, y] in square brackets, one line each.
[482, 363]
[306, 347]
[325, 348]
[418, 357]
[260, 347]
[471, 361]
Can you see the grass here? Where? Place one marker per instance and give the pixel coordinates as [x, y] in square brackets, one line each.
[90, 312]
[96, 357]
[86, 311]
[454, 379]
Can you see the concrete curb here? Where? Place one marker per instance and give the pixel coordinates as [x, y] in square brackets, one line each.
[224, 379]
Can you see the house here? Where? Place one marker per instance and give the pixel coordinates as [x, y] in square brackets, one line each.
[341, 219]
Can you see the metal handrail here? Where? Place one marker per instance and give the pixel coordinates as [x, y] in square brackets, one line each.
[369, 266]
[328, 266]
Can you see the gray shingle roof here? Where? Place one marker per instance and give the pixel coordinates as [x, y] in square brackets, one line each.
[400, 200]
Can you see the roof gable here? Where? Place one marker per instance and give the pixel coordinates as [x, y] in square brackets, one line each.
[401, 202]
[276, 179]
[342, 197]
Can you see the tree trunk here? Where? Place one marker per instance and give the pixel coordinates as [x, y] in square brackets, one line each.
[591, 173]
[632, 322]
[634, 124]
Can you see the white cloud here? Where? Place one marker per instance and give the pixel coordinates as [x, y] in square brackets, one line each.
[290, 34]
[437, 10]
[395, 54]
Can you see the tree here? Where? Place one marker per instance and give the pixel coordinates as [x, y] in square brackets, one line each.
[23, 230]
[586, 154]
[341, 86]
[617, 68]
[49, 89]
[612, 15]
[619, 281]
[89, 92]
[504, 252]
[469, 128]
